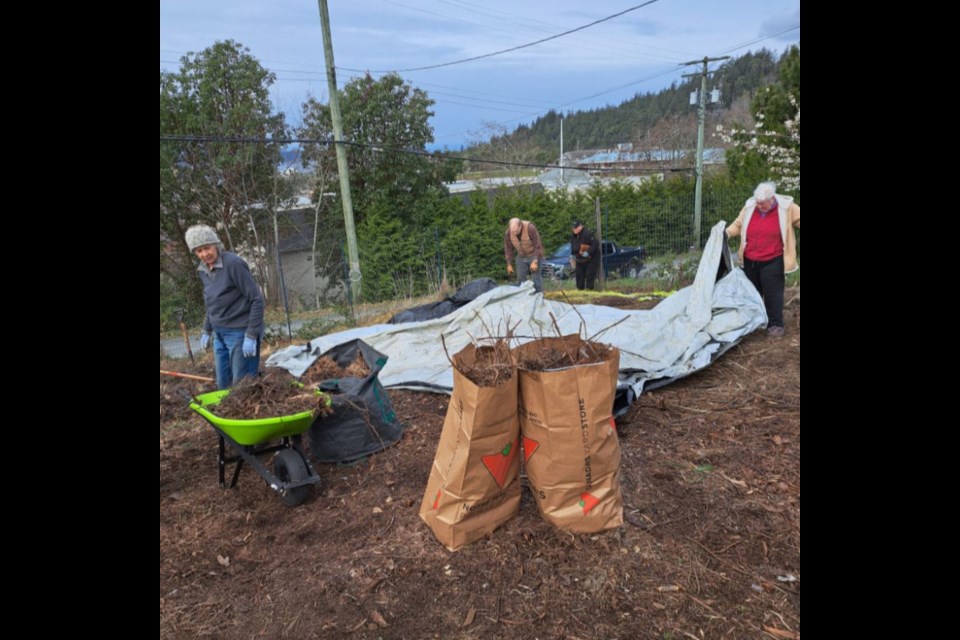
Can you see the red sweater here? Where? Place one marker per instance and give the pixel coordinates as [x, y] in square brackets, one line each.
[764, 241]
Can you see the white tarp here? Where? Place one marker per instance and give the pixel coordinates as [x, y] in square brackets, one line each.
[681, 335]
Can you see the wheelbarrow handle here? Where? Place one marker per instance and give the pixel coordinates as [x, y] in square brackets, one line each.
[188, 397]
[188, 376]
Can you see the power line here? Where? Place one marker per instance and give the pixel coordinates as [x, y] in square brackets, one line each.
[585, 42]
[502, 51]
[629, 84]
[535, 114]
[750, 42]
[560, 108]
[604, 41]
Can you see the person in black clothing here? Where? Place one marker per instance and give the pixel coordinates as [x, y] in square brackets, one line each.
[584, 255]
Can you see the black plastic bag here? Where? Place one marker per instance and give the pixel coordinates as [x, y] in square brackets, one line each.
[467, 293]
[363, 421]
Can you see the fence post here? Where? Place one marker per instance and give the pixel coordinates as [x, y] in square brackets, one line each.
[436, 232]
[596, 210]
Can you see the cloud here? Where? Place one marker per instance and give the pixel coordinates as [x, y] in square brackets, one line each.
[781, 22]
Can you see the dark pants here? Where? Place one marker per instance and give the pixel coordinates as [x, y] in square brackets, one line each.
[768, 278]
[523, 269]
[587, 273]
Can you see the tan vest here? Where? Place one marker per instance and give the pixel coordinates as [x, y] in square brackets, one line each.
[524, 246]
[789, 218]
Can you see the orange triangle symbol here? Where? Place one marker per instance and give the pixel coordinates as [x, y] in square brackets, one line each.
[498, 464]
[588, 502]
[529, 446]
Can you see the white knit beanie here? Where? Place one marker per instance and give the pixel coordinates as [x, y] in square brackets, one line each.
[200, 235]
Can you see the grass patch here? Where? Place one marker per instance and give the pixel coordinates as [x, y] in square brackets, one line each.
[588, 297]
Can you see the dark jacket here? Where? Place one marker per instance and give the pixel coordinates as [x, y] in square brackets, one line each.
[584, 240]
[232, 296]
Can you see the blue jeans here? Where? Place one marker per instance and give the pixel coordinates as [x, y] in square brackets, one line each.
[228, 357]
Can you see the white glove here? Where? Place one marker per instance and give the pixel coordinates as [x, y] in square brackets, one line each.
[249, 347]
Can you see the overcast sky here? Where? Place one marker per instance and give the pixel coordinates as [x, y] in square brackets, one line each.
[605, 64]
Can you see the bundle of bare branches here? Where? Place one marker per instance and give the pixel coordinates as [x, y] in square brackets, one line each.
[326, 368]
[558, 353]
[489, 363]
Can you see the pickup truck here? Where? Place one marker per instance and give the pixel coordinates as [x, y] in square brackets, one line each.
[623, 261]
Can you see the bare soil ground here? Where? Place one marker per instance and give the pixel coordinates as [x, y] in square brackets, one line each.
[711, 481]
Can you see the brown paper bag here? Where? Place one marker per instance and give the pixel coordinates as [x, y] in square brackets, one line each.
[473, 486]
[570, 446]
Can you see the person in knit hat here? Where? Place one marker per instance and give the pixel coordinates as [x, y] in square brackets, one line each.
[234, 319]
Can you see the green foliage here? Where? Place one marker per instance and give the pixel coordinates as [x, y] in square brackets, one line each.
[177, 298]
[380, 116]
[469, 244]
[221, 92]
[391, 256]
[746, 167]
[771, 150]
[463, 238]
[392, 192]
[774, 102]
[671, 272]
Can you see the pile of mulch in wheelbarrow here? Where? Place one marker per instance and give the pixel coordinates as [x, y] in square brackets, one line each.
[326, 368]
[275, 393]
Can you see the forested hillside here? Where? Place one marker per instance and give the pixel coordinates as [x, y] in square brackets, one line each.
[639, 117]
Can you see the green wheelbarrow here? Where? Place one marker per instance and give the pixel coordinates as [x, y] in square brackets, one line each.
[292, 473]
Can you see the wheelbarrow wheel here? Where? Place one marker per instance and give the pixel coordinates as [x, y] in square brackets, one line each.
[289, 466]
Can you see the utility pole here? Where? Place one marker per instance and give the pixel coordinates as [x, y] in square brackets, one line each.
[701, 118]
[353, 254]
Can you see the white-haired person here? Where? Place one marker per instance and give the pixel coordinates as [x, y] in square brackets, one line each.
[768, 246]
[234, 318]
[523, 239]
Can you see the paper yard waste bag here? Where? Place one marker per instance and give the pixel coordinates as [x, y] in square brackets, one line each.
[473, 486]
[570, 446]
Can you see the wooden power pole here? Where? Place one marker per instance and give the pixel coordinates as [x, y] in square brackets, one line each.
[353, 254]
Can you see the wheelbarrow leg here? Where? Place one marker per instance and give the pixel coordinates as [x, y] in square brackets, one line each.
[236, 473]
[221, 463]
[296, 443]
